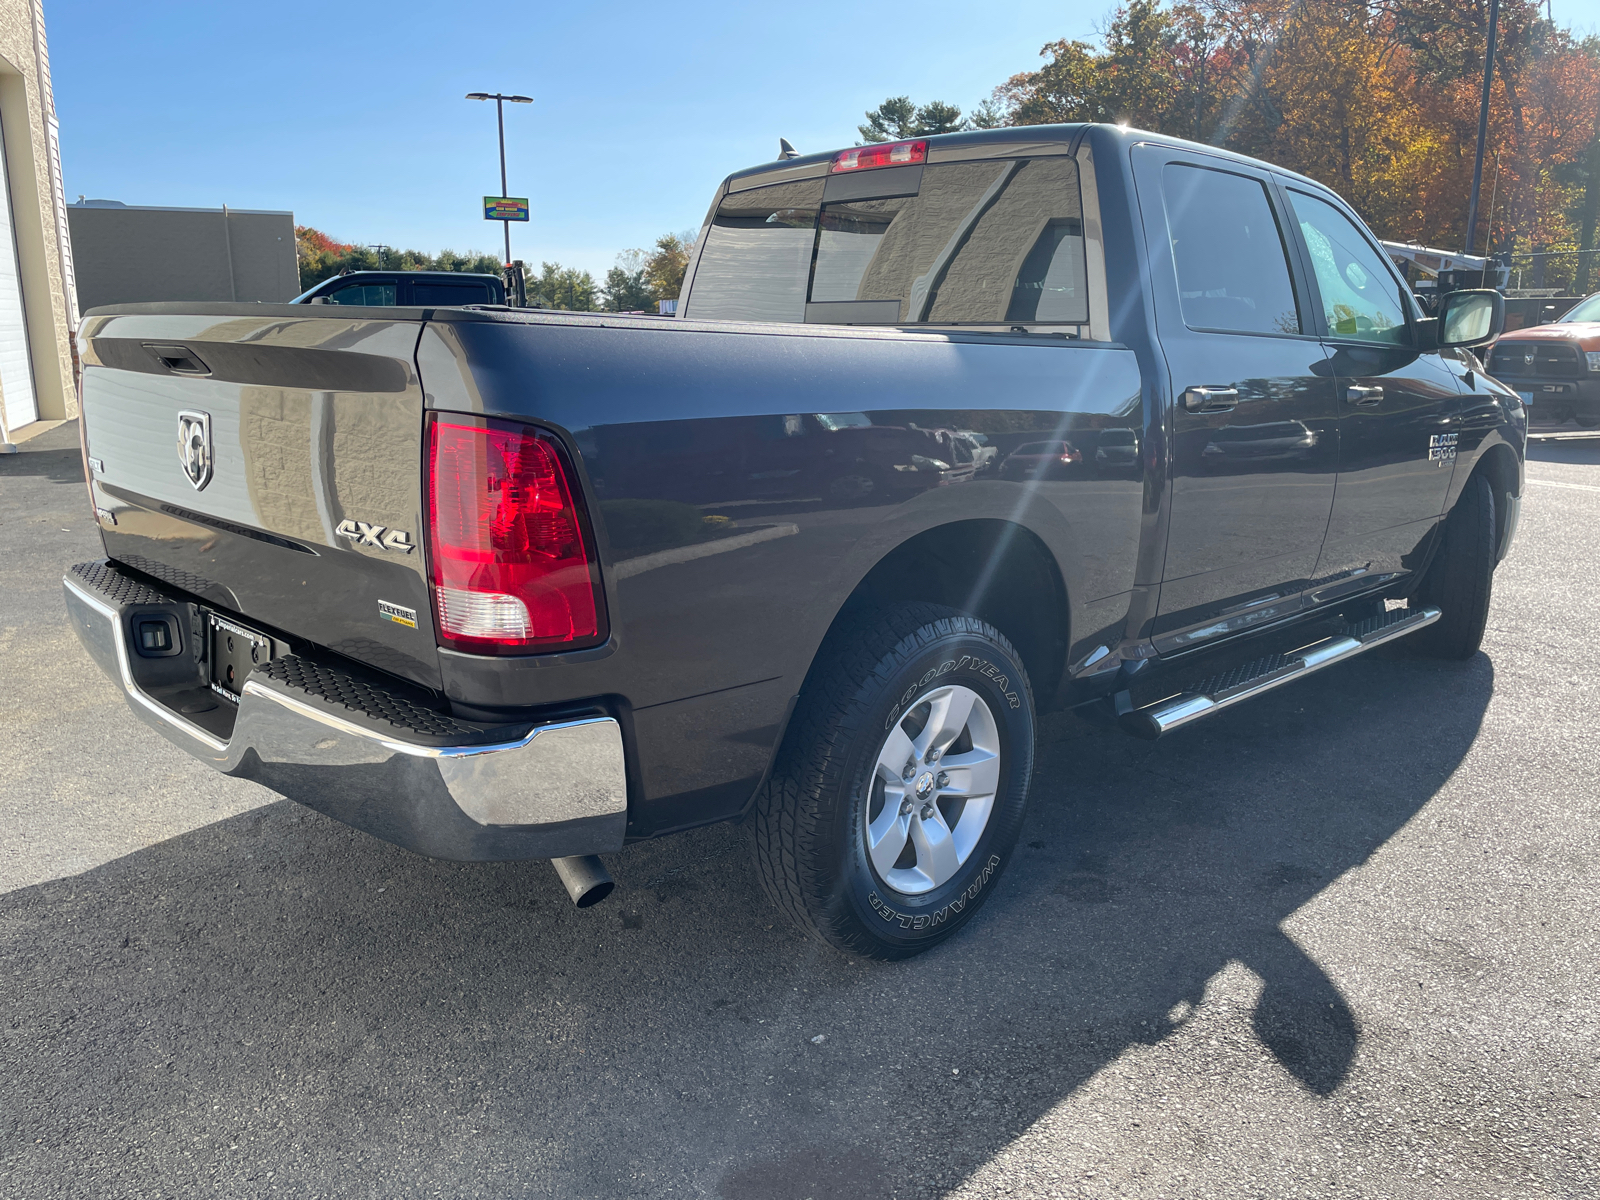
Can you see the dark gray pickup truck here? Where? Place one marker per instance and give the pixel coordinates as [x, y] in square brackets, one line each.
[948, 432]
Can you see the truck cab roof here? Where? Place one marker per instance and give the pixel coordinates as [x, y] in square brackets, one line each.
[388, 289]
[1007, 142]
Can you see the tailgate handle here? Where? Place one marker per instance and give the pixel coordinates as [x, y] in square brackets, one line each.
[180, 360]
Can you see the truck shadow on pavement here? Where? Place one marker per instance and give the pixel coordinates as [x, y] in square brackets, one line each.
[60, 466]
[278, 1002]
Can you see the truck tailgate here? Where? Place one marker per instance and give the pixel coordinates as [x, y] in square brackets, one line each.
[270, 465]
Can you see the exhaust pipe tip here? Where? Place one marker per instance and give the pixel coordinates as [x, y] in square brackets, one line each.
[585, 877]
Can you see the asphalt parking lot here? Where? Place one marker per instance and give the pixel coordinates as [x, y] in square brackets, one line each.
[1340, 942]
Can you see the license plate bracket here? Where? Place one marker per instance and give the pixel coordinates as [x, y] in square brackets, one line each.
[233, 651]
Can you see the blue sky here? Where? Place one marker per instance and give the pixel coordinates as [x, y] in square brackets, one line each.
[351, 113]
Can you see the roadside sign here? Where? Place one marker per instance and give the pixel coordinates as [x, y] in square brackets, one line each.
[505, 208]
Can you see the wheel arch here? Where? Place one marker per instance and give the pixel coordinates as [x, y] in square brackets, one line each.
[1503, 469]
[996, 570]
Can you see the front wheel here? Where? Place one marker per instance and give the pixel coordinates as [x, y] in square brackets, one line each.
[902, 784]
[1460, 578]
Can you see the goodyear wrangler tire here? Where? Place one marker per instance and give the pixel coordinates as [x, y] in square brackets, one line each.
[1460, 579]
[902, 783]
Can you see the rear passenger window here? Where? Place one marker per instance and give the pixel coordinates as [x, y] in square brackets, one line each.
[1233, 269]
[757, 255]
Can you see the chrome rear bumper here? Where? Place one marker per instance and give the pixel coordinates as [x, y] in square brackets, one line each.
[423, 780]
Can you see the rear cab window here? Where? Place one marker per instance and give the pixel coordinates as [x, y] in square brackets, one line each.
[757, 255]
[996, 242]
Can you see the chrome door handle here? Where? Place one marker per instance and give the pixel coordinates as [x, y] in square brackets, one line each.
[1210, 399]
[1365, 397]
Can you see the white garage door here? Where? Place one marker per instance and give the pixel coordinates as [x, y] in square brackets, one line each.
[16, 367]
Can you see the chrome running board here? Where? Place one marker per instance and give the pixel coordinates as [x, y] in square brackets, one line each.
[1253, 678]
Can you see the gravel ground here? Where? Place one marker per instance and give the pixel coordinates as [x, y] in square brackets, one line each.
[1337, 943]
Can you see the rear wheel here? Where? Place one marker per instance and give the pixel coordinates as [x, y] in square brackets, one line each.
[901, 787]
[1460, 578]
[1589, 422]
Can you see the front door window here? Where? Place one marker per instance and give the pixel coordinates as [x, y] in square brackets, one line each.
[1360, 298]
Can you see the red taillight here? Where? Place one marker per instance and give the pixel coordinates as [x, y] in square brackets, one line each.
[1072, 456]
[512, 572]
[885, 154]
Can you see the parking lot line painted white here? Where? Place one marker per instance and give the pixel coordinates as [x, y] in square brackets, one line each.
[1577, 487]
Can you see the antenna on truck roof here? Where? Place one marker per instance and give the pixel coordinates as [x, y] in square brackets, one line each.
[786, 150]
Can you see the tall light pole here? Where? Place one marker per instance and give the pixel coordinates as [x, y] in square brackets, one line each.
[1483, 126]
[500, 101]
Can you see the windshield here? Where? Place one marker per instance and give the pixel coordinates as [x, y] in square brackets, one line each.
[1584, 310]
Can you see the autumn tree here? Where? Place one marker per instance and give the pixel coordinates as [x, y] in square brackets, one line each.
[1155, 71]
[1376, 98]
[317, 253]
[665, 265]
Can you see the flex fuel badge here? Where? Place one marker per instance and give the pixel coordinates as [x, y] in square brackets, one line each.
[398, 613]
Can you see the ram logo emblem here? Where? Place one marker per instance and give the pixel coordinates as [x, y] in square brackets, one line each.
[194, 447]
[378, 536]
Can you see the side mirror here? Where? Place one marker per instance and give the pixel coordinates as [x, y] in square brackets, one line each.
[1472, 318]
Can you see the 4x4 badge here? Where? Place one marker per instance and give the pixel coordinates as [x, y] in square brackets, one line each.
[194, 447]
[380, 536]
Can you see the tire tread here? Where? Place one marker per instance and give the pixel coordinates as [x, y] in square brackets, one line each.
[791, 813]
[1461, 578]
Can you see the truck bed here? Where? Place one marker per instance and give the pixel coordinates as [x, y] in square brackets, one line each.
[741, 478]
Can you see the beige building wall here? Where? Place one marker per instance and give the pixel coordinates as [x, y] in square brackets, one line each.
[44, 249]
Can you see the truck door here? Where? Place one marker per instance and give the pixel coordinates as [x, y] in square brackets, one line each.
[1254, 412]
[1398, 409]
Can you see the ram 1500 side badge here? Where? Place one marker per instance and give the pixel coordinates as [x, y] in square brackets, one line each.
[380, 536]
